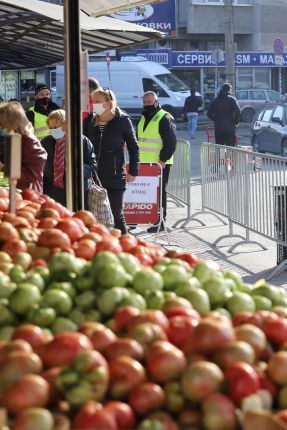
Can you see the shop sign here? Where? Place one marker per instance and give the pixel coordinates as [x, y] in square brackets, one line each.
[160, 16]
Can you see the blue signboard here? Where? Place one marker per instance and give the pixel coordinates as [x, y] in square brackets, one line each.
[242, 59]
[160, 16]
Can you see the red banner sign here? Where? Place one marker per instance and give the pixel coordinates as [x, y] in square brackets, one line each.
[142, 197]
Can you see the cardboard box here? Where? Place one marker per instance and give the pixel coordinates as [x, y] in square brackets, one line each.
[262, 420]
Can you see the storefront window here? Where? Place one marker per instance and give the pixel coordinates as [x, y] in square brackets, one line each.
[213, 79]
[248, 77]
[29, 79]
[8, 85]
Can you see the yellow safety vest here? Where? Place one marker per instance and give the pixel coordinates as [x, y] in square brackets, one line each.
[149, 140]
[40, 127]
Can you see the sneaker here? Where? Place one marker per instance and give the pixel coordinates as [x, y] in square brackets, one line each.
[154, 228]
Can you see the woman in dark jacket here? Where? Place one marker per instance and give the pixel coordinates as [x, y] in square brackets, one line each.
[110, 132]
[55, 145]
[34, 156]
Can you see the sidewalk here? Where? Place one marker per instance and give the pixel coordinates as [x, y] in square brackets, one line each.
[249, 260]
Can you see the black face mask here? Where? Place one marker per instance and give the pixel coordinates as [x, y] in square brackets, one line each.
[44, 101]
[150, 108]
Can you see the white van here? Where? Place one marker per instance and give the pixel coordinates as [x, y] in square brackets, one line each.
[129, 80]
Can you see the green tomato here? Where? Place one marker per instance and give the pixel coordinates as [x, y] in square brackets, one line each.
[129, 262]
[6, 286]
[205, 270]
[110, 299]
[112, 275]
[36, 279]
[217, 291]
[64, 286]
[86, 300]
[185, 287]
[17, 274]
[173, 275]
[7, 317]
[155, 299]
[62, 324]
[80, 394]
[134, 299]
[77, 316]
[102, 259]
[262, 303]
[199, 300]
[41, 270]
[24, 298]
[58, 300]
[6, 333]
[228, 274]
[240, 302]
[159, 268]
[93, 315]
[42, 317]
[147, 279]
[64, 262]
[84, 283]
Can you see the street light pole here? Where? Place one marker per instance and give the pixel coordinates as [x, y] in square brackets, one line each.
[229, 44]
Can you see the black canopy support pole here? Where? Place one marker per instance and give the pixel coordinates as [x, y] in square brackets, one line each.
[74, 157]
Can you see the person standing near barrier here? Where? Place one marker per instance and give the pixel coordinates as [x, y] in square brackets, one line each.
[224, 111]
[190, 110]
[156, 134]
[38, 114]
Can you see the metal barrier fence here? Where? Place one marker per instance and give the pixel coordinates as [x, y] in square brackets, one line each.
[179, 178]
[248, 188]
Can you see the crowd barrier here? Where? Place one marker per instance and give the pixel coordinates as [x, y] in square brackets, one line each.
[250, 190]
[179, 178]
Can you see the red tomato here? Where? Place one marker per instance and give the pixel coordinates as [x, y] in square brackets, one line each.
[14, 246]
[147, 333]
[39, 262]
[95, 237]
[123, 414]
[180, 329]
[54, 238]
[48, 213]
[64, 347]
[30, 391]
[100, 335]
[31, 195]
[52, 204]
[85, 248]
[128, 242]
[32, 334]
[190, 258]
[26, 214]
[86, 216]
[111, 244]
[51, 375]
[124, 346]
[241, 318]
[13, 346]
[7, 232]
[100, 229]
[124, 316]
[71, 228]
[144, 259]
[242, 381]
[151, 315]
[47, 223]
[164, 362]
[4, 192]
[265, 383]
[125, 374]
[92, 416]
[146, 398]
[182, 311]
[276, 330]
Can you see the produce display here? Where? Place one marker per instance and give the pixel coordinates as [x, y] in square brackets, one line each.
[105, 331]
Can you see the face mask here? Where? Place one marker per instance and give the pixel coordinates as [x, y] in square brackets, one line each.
[98, 108]
[150, 108]
[57, 133]
[3, 132]
[44, 101]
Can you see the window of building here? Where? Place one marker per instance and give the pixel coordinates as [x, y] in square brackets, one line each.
[8, 85]
[248, 77]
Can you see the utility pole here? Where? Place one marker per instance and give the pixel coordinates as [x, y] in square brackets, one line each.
[229, 44]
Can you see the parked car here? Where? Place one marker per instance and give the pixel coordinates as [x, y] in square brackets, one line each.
[253, 99]
[269, 130]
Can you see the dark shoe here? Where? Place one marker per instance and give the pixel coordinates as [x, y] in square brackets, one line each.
[131, 227]
[154, 228]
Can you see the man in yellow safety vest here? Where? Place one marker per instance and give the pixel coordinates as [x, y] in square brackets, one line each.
[38, 113]
[156, 134]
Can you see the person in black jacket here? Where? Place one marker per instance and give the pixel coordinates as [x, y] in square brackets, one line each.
[55, 144]
[225, 113]
[190, 110]
[110, 131]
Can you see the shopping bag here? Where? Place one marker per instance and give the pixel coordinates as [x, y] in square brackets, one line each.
[98, 202]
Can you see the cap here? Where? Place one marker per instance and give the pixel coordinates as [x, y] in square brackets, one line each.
[41, 87]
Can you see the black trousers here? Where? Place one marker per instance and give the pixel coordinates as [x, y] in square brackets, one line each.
[116, 198]
[225, 138]
[165, 176]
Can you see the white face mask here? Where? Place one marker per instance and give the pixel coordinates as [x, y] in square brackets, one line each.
[98, 108]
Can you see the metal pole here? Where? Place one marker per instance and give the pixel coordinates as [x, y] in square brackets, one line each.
[280, 89]
[229, 44]
[74, 157]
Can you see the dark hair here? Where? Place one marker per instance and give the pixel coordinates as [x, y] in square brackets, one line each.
[41, 87]
[93, 84]
[226, 87]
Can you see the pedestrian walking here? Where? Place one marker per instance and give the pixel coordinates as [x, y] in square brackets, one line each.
[55, 168]
[190, 110]
[38, 113]
[156, 134]
[110, 132]
[34, 156]
[224, 111]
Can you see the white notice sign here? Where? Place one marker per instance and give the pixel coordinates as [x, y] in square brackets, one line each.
[142, 190]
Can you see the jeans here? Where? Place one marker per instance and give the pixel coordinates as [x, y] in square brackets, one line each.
[192, 123]
[116, 198]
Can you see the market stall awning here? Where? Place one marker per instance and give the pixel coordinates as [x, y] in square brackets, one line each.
[32, 33]
[104, 7]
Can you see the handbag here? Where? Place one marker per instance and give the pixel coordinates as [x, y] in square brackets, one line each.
[98, 202]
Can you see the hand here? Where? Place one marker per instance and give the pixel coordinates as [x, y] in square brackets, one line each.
[162, 163]
[130, 178]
